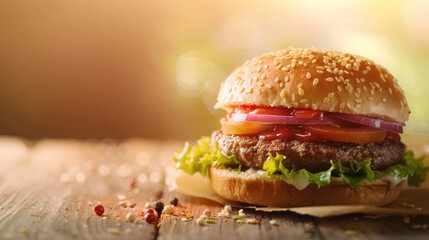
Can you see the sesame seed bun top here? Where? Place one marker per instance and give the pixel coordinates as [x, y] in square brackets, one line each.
[316, 79]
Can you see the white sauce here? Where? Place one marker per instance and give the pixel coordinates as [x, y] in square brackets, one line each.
[394, 181]
[300, 181]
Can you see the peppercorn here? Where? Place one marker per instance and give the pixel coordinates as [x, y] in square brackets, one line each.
[99, 210]
[150, 218]
[174, 201]
[158, 208]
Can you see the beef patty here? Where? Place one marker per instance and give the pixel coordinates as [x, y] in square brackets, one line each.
[312, 156]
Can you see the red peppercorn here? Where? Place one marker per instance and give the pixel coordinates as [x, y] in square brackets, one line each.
[149, 210]
[99, 210]
[151, 218]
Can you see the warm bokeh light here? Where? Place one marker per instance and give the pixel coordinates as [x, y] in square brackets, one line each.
[153, 68]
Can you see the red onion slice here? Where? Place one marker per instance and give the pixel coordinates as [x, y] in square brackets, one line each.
[368, 121]
[279, 119]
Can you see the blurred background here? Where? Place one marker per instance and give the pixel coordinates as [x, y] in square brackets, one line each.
[119, 69]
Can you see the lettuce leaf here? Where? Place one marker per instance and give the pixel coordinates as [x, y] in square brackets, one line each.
[202, 156]
[206, 154]
[414, 170]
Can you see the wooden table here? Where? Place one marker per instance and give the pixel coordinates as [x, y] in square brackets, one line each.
[48, 189]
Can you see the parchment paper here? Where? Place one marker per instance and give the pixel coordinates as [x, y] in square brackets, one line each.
[198, 186]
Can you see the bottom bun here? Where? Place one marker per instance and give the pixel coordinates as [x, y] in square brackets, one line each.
[258, 190]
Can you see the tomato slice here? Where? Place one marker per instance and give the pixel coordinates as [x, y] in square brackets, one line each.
[360, 134]
[306, 136]
[238, 128]
[280, 132]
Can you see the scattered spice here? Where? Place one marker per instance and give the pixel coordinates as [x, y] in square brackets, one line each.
[131, 217]
[207, 212]
[159, 206]
[99, 210]
[168, 209]
[174, 201]
[113, 231]
[210, 220]
[274, 223]
[228, 208]
[350, 232]
[252, 221]
[151, 218]
[201, 221]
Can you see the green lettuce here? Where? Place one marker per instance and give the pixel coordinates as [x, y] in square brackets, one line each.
[414, 170]
[206, 154]
[202, 156]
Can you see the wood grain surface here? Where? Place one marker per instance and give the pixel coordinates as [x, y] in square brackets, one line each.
[48, 189]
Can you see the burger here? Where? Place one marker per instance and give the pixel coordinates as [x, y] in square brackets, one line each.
[307, 127]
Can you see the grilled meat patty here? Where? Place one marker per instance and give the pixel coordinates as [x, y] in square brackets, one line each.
[252, 152]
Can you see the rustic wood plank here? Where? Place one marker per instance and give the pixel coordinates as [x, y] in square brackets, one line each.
[361, 226]
[290, 225]
[49, 190]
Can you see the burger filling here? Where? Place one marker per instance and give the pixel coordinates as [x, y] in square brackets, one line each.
[287, 144]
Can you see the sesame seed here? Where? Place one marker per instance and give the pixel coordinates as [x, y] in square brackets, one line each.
[377, 85]
[390, 90]
[300, 62]
[329, 79]
[356, 94]
[308, 75]
[258, 69]
[357, 105]
[299, 85]
[268, 85]
[284, 68]
[258, 91]
[370, 98]
[315, 81]
[340, 72]
[293, 97]
[266, 66]
[303, 101]
[260, 84]
[329, 70]
[364, 88]
[255, 78]
[263, 76]
[277, 80]
[314, 61]
[365, 71]
[339, 88]
[348, 66]
[320, 71]
[286, 78]
[349, 88]
[314, 106]
[349, 106]
[250, 90]
[371, 91]
[242, 90]
[281, 84]
[326, 99]
[384, 99]
[301, 92]
[320, 67]
[283, 93]
[342, 105]
[330, 95]
[357, 80]
[358, 90]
